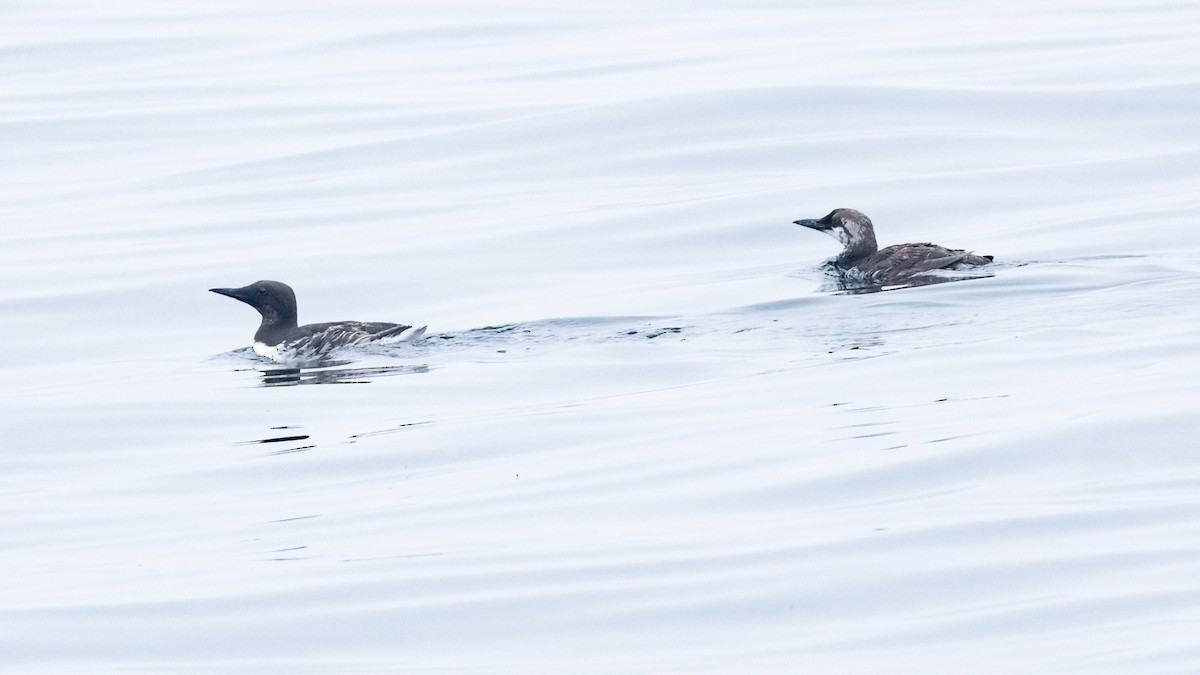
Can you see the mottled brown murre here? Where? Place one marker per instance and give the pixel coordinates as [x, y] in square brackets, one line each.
[862, 260]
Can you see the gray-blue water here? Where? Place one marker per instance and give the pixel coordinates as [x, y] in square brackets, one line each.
[645, 434]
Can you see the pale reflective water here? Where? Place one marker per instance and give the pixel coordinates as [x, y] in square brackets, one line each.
[647, 433]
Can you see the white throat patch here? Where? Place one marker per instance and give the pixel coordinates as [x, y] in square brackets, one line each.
[848, 233]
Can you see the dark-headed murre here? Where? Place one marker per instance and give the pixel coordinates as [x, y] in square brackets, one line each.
[280, 339]
[863, 261]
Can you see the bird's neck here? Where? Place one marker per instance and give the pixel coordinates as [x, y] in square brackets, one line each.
[274, 324]
[858, 251]
[859, 242]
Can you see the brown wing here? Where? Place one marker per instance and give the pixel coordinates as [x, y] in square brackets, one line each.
[906, 260]
[320, 338]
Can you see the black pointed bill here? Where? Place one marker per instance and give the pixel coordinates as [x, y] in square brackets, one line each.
[821, 225]
[235, 293]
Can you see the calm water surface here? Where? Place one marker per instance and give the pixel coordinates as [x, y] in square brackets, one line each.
[646, 433]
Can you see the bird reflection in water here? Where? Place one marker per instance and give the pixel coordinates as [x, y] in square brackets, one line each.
[290, 377]
[845, 284]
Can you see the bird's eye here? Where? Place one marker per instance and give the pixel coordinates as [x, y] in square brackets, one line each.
[262, 291]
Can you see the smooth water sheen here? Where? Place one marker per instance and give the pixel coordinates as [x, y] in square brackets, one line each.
[646, 434]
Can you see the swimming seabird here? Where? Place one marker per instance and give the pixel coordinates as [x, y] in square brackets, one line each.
[280, 339]
[863, 261]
